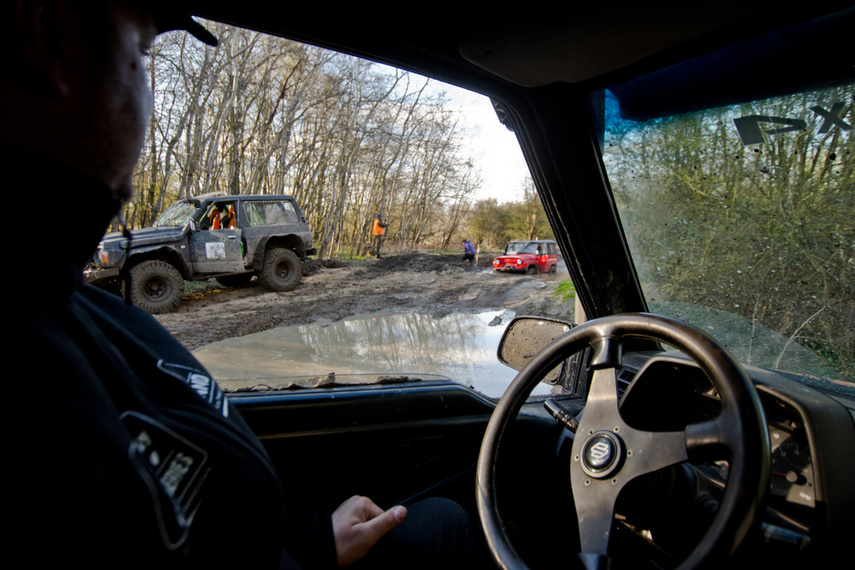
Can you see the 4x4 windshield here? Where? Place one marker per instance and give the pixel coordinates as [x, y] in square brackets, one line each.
[741, 220]
[177, 214]
[521, 247]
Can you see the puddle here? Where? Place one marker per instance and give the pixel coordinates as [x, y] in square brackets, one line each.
[460, 346]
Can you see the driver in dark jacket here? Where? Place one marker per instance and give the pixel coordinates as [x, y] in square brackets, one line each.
[123, 452]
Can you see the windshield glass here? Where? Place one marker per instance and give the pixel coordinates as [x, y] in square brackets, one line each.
[521, 247]
[177, 214]
[354, 143]
[741, 220]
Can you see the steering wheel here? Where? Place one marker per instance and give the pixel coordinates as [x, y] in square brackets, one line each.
[608, 453]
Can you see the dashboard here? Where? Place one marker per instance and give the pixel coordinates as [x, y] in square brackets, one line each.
[792, 487]
[811, 435]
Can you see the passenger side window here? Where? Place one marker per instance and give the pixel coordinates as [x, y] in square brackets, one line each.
[270, 213]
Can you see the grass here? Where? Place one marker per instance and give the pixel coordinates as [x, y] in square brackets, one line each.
[565, 291]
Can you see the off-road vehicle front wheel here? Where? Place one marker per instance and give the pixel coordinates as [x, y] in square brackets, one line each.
[155, 286]
[282, 270]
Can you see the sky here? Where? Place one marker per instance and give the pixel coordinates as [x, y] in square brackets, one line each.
[493, 147]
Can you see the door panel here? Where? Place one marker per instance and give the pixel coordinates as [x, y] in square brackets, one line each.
[393, 444]
[216, 251]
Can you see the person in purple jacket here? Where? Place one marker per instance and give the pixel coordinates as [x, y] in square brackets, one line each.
[468, 252]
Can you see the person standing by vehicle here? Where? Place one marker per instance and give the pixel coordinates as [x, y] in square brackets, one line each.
[379, 234]
[120, 463]
[468, 252]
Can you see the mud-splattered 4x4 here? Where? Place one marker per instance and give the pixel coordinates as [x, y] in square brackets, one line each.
[230, 238]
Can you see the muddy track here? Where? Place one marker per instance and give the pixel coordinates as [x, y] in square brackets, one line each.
[431, 284]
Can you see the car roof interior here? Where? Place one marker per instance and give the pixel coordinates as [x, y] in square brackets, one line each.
[483, 46]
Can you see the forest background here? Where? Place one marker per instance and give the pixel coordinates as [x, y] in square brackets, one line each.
[764, 230]
[348, 138]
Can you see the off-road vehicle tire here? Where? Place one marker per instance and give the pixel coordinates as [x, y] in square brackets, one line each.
[531, 270]
[155, 286]
[238, 280]
[282, 270]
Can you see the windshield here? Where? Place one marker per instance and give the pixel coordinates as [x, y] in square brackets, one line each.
[177, 214]
[353, 142]
[757, 246]
[521, 247]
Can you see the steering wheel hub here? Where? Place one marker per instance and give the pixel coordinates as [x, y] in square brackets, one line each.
[602, 455]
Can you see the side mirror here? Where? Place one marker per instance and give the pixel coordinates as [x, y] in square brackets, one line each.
[525, 337]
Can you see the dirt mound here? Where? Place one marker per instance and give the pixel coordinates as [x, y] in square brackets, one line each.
[422, 262]
[313, 266]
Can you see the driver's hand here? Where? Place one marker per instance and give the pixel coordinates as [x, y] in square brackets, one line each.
[358, 524]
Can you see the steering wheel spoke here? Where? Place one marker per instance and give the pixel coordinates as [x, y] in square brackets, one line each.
[608, 454]
[713, 439]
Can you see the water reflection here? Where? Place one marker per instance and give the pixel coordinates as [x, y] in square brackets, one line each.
[461, 347]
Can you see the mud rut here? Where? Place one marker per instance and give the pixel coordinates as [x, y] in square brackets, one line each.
[431, 284]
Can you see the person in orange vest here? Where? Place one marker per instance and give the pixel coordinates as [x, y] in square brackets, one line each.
[215, 218]
[223, 218]
[379, 232]
[229, 220]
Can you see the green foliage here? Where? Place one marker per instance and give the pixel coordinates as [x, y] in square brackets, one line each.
[765, 232]
[565, 291]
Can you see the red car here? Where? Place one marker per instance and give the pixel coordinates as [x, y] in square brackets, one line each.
[528, 256]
